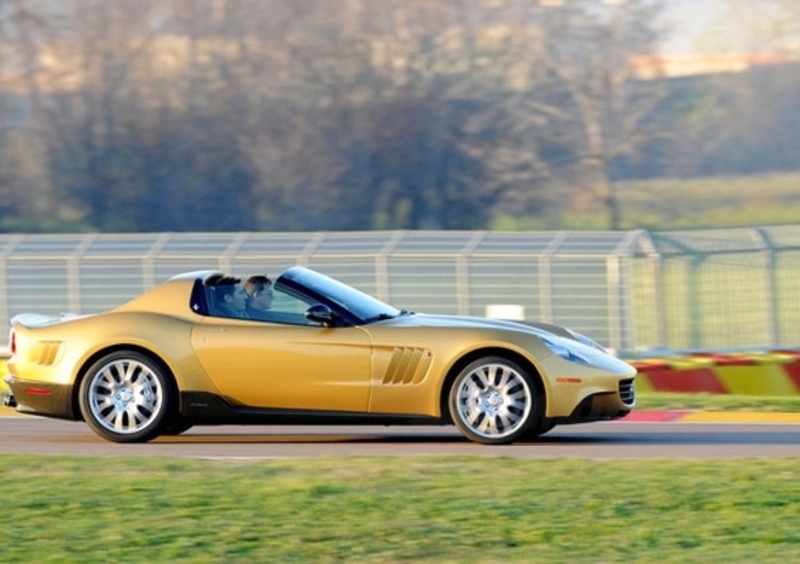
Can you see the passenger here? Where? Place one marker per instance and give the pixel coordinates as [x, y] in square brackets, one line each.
[231, 298]
[259, 292]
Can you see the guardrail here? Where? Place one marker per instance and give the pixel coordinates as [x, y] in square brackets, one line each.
[631, 290]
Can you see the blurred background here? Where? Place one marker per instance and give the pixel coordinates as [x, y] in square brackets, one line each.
[304, 115]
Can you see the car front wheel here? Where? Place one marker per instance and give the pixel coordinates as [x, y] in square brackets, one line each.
[493, 401]
[126, 397]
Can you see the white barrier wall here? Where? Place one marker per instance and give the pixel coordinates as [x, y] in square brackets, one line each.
[630, 290]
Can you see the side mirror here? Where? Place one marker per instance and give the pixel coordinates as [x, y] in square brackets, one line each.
[320, 313]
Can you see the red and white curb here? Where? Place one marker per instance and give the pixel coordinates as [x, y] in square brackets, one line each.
[760, 373]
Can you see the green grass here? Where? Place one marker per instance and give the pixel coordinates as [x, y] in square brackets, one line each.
[711, 202]
[431, 509]
[410, 509]
[669, 204]
[717, 402]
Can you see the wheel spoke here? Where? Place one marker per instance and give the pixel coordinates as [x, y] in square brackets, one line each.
[104, 403]
[502, 378]
[118, 421]
[115, 374]
[473, 416]
[488, 426]
[138, 417]
[506, 419]
[518, 399]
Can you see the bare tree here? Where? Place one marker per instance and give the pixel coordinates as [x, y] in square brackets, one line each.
[416, 71]
[586, 112]
[333, 114]
[744, 122]
[359, 132]
[25, 200]
[132, 133]
[768, 26]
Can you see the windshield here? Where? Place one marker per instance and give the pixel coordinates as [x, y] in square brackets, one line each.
[361, 305]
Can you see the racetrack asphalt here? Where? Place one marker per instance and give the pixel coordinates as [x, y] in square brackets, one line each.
[655, 416]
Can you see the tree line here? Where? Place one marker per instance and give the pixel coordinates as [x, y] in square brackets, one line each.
[204, 115]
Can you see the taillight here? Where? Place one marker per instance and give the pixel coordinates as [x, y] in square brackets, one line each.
[12, 341]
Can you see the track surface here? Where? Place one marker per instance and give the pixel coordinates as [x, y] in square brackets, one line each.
[605, 440]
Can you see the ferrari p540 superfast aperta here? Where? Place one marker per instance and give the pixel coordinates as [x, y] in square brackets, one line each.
[186, 353]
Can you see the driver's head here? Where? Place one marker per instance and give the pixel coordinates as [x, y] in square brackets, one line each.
[259, 292]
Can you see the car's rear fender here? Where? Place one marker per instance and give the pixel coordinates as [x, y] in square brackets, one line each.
[97, 355]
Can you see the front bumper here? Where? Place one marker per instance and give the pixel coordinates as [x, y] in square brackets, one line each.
[604, 406]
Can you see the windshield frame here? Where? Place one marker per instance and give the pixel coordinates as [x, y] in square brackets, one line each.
[354, 306]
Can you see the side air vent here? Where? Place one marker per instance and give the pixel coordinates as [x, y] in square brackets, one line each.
[408, 366]
[47, 353]
[626, 392]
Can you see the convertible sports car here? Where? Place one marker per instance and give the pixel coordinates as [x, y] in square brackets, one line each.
[326, 354]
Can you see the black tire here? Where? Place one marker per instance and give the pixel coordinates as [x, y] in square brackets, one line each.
[536, 431]
[126, 397]
[176, 426]
[494, 401]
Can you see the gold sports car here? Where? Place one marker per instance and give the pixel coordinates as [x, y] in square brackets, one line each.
[325, 354]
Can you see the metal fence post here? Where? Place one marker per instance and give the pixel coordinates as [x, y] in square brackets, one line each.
[771, 293]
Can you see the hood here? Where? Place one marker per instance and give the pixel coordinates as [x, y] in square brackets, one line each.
[545, 331]
[427, 320]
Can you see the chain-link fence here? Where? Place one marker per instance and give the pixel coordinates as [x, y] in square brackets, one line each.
[631, 291]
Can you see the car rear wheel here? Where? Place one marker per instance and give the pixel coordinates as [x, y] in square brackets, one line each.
[126, 397]
[493, 401]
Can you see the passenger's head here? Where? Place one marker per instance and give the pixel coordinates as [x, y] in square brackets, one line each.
[259, 291]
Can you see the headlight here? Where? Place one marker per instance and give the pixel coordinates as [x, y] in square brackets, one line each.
[581, 338]
[564, 351]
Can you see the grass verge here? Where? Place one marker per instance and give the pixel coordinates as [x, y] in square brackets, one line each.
[423, 509]
[667, 204]
[717, 402]
[426, 509]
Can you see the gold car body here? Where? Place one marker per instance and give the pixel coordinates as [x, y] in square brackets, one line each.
[402, 366]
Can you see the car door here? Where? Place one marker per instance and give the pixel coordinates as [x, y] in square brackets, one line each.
[284, 366]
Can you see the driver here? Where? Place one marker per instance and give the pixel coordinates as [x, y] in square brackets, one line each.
[259, 296]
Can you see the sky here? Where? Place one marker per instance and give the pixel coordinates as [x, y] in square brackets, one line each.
[723, 26]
